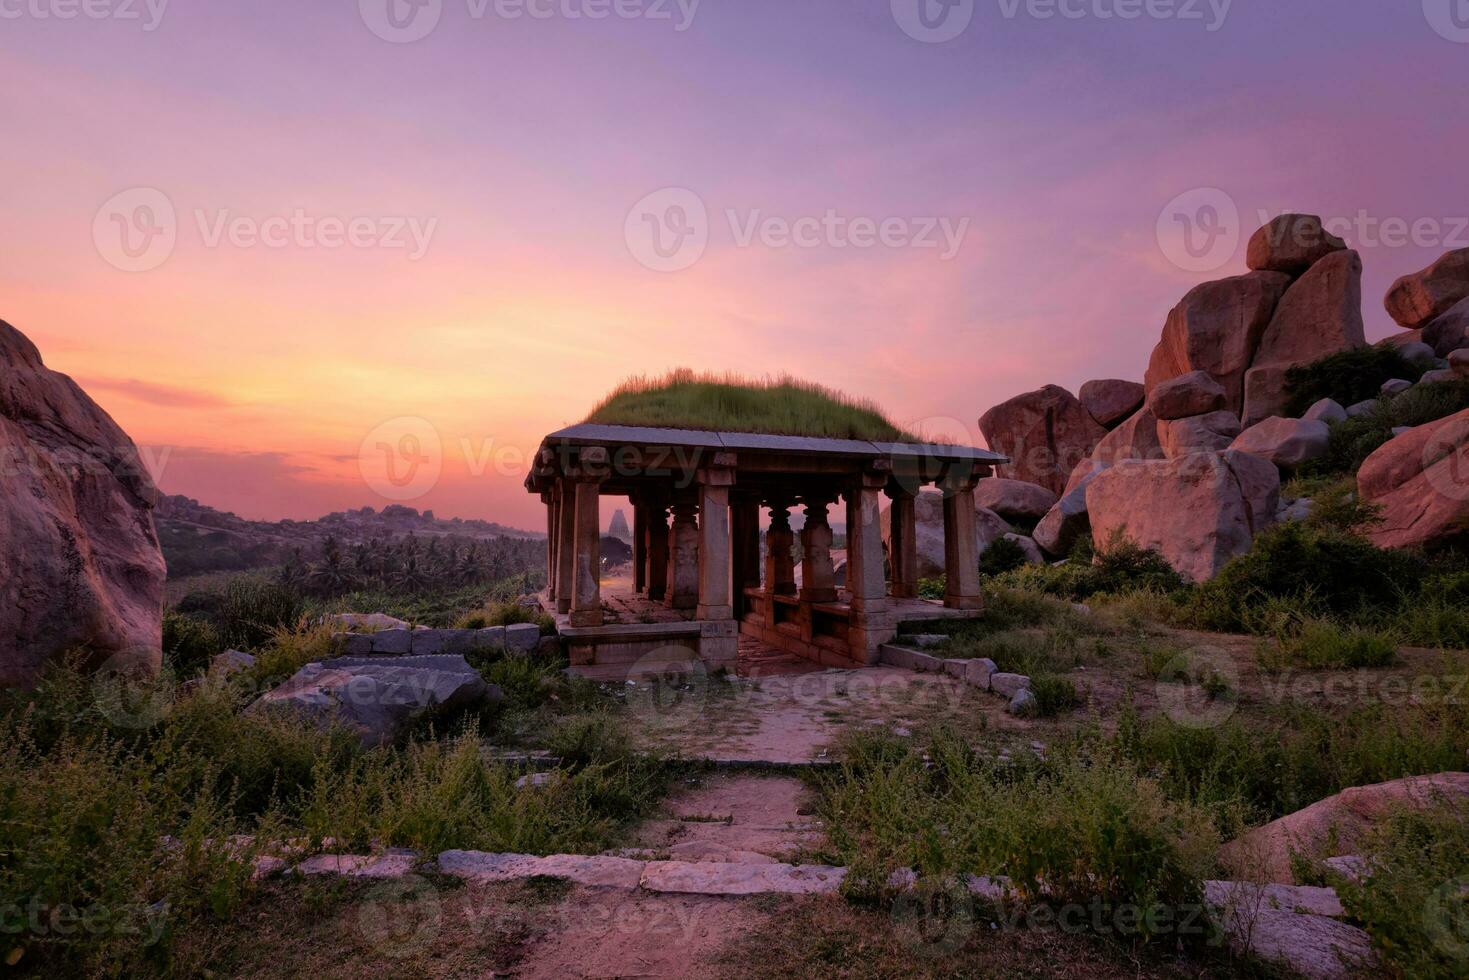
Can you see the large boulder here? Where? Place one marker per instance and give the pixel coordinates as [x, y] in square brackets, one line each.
[1195, 393]
[928, 537]
[1110, 401]
[1208, 433]
[1064, 523]
[1449, 332]
[1216, 329]
[1137, 438]
[1014, 499]
[1285, 442]
[1320, 314]
[83, 570]
[1337, 825]
[1045, 433]
[1420, 297]
[1197, 511]
[1292, 243]
[1420, 481]
[378, 698]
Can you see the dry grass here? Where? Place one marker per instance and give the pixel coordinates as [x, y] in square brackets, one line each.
[729, 402]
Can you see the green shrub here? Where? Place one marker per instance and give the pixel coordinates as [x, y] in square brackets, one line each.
[253, 607]
[506, 614]
[1123, 567]
[932, 588]
[1357, 438]
[189, 643]
[1003, 555]
[1053, 694]
[1348, 377]
[1414, 899]
[1319, 644]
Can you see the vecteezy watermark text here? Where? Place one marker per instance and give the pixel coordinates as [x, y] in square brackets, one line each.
[148, 12]
[936, 21]
[406, 21]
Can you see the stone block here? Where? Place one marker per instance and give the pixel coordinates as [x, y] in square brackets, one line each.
[1006, 685]
[397, 642]
[979, 672]
[524, 637]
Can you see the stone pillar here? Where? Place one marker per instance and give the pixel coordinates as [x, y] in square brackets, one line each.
[586, 601]
[549, 499]
[715, 565]
[903, 543]
[683, 556]
[780, 561]
[744, 527]
[565, 546]
[656, 519]
[851, 505]
[864, 547]
[818, 581]
[961, 548]
[639, 545]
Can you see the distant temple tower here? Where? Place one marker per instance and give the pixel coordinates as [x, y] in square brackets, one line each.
[618, 528]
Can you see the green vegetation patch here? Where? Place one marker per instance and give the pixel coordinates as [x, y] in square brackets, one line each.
[685, 399]
[1347, 377]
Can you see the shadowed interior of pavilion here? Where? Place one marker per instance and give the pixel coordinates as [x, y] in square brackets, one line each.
[714, 553]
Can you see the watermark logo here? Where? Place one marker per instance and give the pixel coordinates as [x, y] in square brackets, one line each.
[402, 459]
[136, 230]
[129, 696]
[1199, 230]
[668, 688]
[1446, 918]
[1211, 13]
[940, 917]
[668, 230]
[933, 21]
[401, 21]
[1199, 689]
[1445, 460]
[148, 12]
[400, 917]
[1449, 19]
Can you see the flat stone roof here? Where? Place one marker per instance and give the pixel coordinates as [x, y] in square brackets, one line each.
[593, 434]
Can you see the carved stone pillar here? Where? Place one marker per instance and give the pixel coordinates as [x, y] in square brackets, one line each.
[683, 556]
[961, 547]
[780, 561]
[744, 528]
[818, 581]
[565, 545]
[549, 499]
[586, 602]
[715, 566]
[656, 520]
[903, 543]
[639, 545]
[864, 546]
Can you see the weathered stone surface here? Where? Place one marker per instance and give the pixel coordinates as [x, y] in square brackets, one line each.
[1320, 314]
[1216, 329]
[1023, 704]
[1285, 442]
[741, 879]
[231, 662]
[83, 568]
[596, 871]
[1326, 410]
[1068, 520]
[1200, 434]
[366, 621]
[1243, 895]
[1418, 353]
[1045, 433]
[1418, 298]
[1137, 438]
[1314, 946]
[1110, 400]
[1185, 396]
[896, 655]
[522, 636]
[1420, 480]
[1291, 243]
[394, 864]
[1336, 825]
[1006, 685]
[378, 697]
[1033, 555]
[393, 642]
[1362, 408]
[1459, 362]
[1395, 386]
[1196, 511]
[1439, 376]
[979, 673]
[1449, 332]
[1014, 499]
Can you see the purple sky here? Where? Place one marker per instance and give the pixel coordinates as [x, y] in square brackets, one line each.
[518, 147]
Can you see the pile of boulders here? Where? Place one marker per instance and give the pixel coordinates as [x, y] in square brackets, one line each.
[1190, 462]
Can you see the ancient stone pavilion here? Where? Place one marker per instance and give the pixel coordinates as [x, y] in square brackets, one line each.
[703, 570]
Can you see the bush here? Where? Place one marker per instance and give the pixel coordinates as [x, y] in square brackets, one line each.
[1053, 694]
[253, 607]
[1318, 644]
[506, 614]
[189, 643]
[1348, 377]
[1123, 567]
[1413, 899]
[1003, 555]
[1357, 438]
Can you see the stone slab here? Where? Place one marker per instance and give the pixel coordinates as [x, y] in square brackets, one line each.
[691, 878]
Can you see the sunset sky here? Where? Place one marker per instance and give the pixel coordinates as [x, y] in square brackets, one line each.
[523, 149]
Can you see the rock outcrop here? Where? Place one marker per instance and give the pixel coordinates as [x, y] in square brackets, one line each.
[1110, 401]
[1420, 480]
[928, 538]
[1195, 393]
[83, 568]
[1045, 433]
[1216, 329]
[1197, 511]
[1449, 332]
[1420, 297]
[1292, 243]
[1014, 499]
[1337, 825]
[1320, 314]
[1285, 442]
[1212, 432]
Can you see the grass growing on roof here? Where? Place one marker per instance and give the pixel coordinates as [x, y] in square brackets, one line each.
[685, 399]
